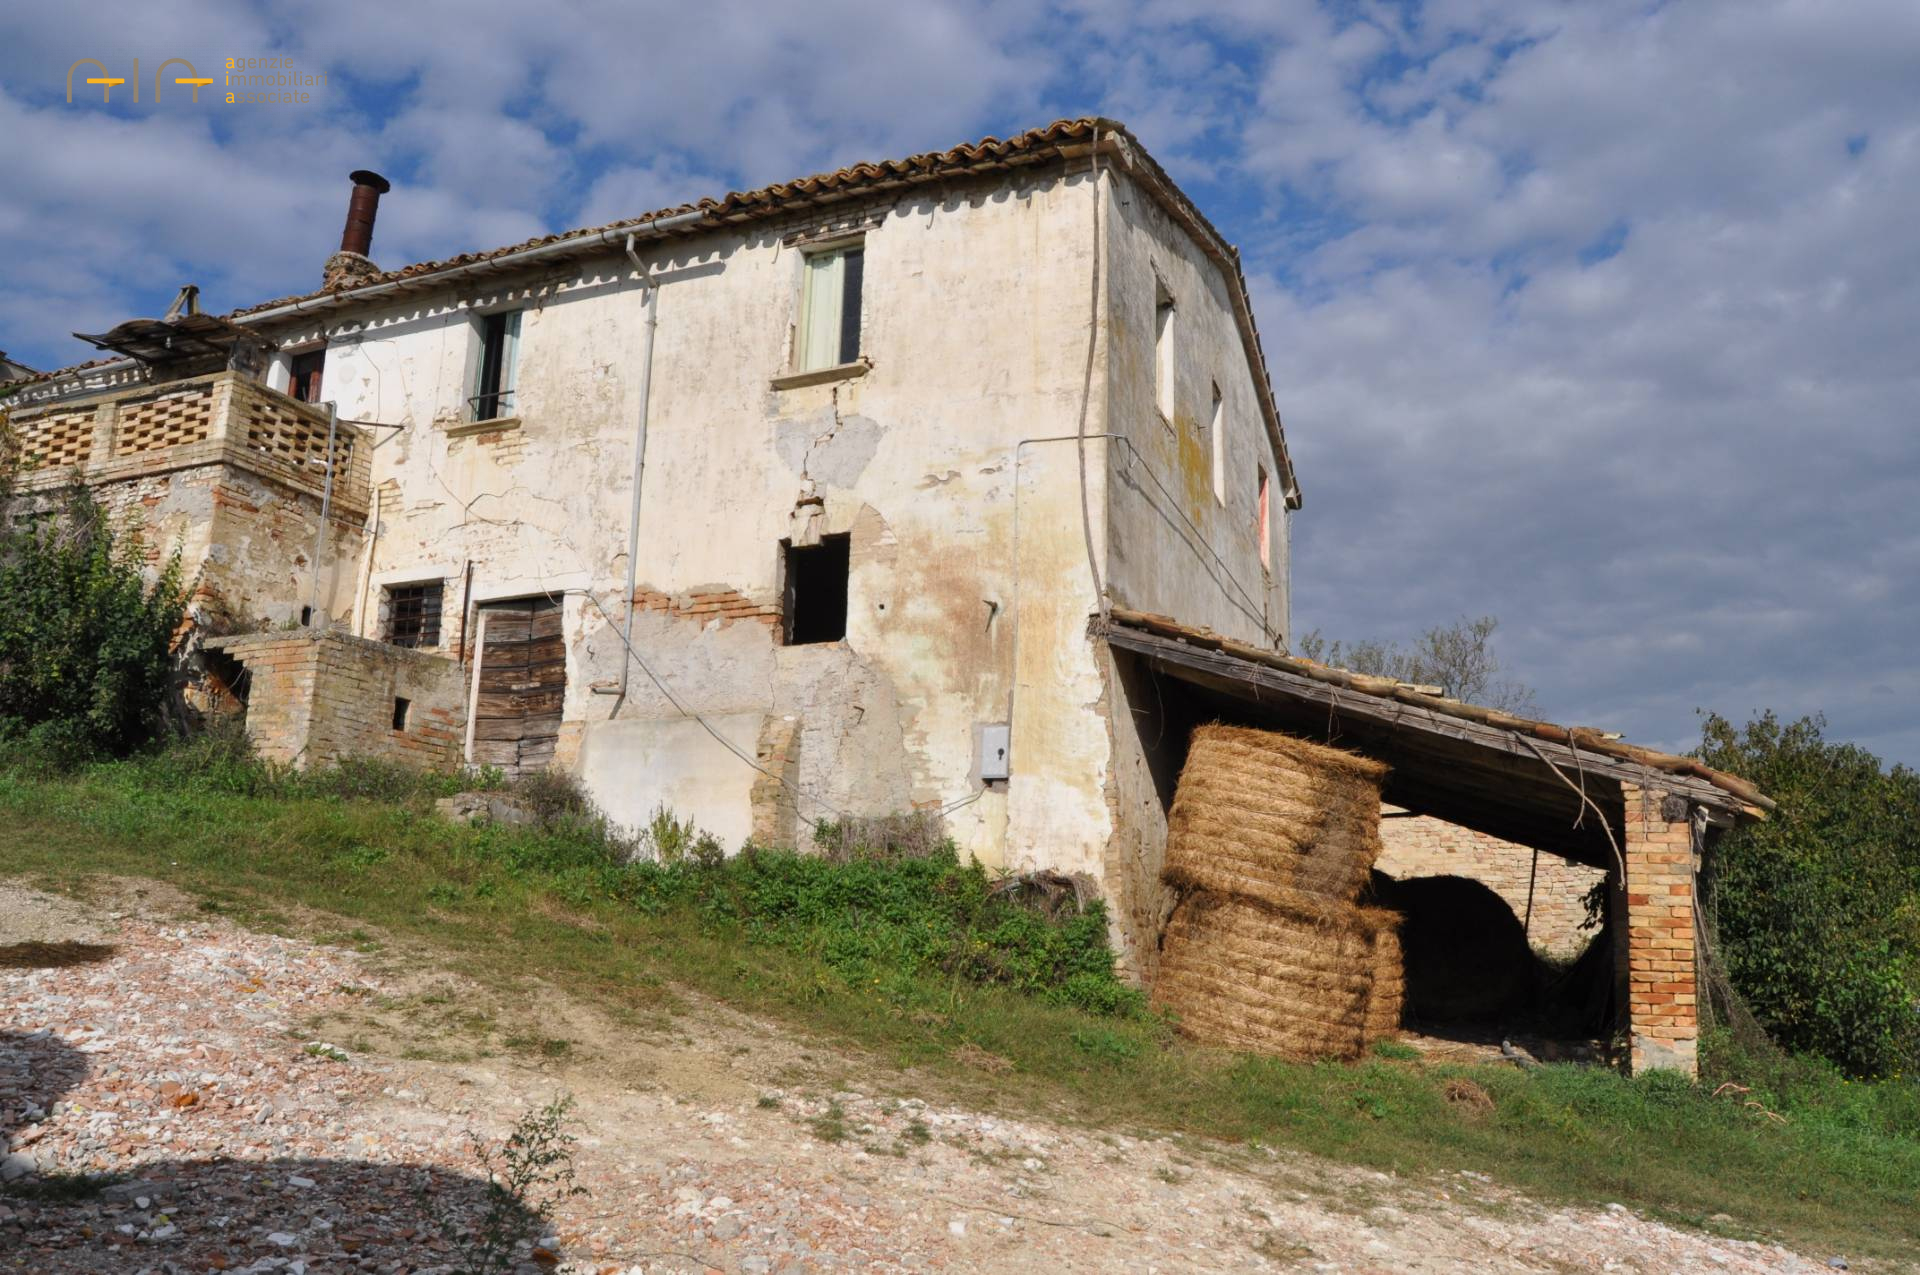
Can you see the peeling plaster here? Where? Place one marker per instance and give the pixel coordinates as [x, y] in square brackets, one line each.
[828, 448]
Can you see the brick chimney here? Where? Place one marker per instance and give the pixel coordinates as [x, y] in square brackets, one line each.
[351, 265]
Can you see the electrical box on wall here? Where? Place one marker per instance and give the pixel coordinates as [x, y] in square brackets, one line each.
[994, 740]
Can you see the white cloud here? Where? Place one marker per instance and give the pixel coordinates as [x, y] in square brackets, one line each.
[1682, 473]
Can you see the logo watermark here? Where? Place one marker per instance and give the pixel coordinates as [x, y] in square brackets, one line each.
[269, 81]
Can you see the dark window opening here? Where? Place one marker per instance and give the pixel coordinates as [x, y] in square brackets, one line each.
[855, 271]
[304, 380]
[413, 615]
[306, 616]
[400, 707]
[815, 597]
[227, 683]
[499, 351]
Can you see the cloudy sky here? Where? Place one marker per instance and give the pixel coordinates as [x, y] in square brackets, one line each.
[1601, 318]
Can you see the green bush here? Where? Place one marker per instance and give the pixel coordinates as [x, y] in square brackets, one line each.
[86, 641]
[1817, 909]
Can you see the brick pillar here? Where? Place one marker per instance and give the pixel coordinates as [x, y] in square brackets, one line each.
[1663, 1021]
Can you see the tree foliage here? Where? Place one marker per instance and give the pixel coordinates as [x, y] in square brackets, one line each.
[1818, 908]
[1458, 657]
[86, 637]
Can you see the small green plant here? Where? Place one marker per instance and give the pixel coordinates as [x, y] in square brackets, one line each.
[1395, 1051]
[915, 835]
[768, 1102]
[550, 1047]
[526, 1175]
[669, 838]
[360, 858]
[1105, 1045]
[917, 1133]
[321, 1049]
[830, 1125]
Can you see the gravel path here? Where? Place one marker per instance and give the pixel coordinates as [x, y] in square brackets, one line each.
[180, 1055]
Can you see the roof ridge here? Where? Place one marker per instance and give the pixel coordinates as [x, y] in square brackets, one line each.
[1070, 128]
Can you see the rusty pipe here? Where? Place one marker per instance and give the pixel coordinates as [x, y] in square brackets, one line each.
[368, 186]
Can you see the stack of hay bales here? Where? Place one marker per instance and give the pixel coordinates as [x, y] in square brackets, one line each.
[1270, 841]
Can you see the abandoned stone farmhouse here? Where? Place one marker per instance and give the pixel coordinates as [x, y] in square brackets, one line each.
[952, 484]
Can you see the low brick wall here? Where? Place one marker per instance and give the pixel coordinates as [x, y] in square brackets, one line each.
[317, 697]
[1423, 846]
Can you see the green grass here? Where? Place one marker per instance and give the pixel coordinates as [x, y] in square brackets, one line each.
[906, 963]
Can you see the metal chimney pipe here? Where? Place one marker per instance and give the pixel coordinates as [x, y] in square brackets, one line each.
[365, 206]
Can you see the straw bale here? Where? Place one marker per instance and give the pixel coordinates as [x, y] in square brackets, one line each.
[1317, 980]
[1271, 817]
[1388, 995]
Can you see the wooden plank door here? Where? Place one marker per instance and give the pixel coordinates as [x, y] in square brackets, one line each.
[523, 685]
[545, 693]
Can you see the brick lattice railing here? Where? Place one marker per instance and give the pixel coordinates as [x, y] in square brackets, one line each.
[203, 420]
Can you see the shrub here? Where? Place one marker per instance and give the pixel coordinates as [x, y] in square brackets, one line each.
[915, 835]
[86, 641]
[1818, 908]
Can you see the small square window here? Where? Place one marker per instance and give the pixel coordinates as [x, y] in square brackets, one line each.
[829, 332]
[493, 389]
[413, 614]
[814, 596]
[401, 707]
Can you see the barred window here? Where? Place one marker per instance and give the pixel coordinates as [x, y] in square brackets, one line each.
[413, 614]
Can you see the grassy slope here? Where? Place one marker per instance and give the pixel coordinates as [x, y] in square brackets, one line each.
[1842, 1175]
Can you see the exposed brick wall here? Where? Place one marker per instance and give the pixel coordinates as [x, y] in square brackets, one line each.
[317, 697]
[707, 603]
[1423, 846]
[1662, 1010]
[775, 817]
[506, 446]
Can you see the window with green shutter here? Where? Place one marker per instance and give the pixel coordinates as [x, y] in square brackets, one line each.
[829, 329]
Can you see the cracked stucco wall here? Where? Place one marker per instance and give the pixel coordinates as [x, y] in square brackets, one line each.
[969, 589]
[967, 297]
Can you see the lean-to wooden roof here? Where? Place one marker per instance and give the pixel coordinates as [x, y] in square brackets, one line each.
[1510, 776]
